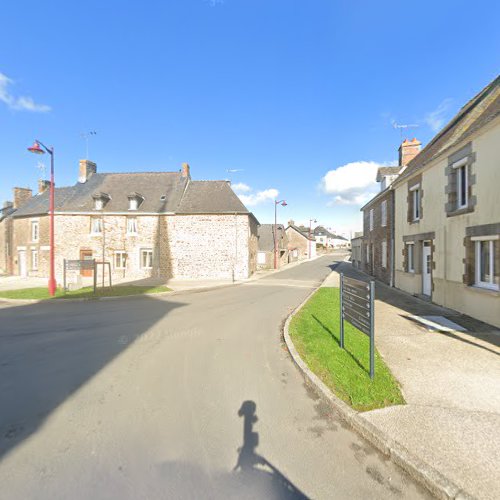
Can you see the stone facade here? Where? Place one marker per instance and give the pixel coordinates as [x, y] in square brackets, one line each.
[376, 251]
[299, 245]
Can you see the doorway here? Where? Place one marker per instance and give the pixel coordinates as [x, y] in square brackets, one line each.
[426, 269]
[86, 255]
[22, 263]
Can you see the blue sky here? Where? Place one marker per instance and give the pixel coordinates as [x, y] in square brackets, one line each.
[280, 91]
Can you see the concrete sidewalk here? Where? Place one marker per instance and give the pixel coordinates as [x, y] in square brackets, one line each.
[451, 383]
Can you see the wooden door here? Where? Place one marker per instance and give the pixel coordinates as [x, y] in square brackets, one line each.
[86, 255]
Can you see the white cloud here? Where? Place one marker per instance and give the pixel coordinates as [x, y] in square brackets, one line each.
[351, 184]
[241, 187]
[437, 118]
[22, 103]
[258, 197]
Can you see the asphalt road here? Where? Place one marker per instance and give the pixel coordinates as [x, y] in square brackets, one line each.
[187, 396]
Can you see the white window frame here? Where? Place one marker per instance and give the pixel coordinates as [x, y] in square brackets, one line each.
[384, 254]
[415, 201]
[459, 167]
[34, 260]
[371, 219]
[410, 245]
[491, 285]
[383, 213]
[261, 258]
[143, 251]
[368, 253]
[98, 204]
[133, 203]
[121, 258]
[35, 233]
[132, 221]
[96, 223]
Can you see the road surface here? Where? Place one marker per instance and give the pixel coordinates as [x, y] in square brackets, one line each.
[186, 396]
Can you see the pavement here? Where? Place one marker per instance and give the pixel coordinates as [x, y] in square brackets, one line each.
[192, 395]
[451, 383]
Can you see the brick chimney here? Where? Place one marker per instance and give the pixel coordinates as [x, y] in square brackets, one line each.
[21, 196]
[87, 168]
[185, 171]
[408, 150]
[43, 186]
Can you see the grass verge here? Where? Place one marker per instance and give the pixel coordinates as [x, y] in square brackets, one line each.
[41, 293]
[315, 332]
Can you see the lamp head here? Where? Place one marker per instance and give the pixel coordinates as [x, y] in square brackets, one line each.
[36, 149]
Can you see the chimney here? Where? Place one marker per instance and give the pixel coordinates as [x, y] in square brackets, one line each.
[87, 168]
[408, 150]
[185, 171]
[291, 222]
[43, 186]
[21, 196]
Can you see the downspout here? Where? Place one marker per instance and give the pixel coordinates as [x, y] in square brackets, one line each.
[393, 232]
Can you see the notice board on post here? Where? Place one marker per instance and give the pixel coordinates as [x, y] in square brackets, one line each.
[356, 307]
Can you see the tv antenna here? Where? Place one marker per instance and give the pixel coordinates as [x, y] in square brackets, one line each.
[233, 171]
[86, 135]
[41, 167]
[401, 126]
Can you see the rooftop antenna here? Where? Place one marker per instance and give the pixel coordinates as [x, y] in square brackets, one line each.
[233, 171]
[86, 135]
[41, 167]
[401, 126]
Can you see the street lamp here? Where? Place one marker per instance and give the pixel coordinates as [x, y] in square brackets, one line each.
[310, 227]
[283, 203]
[37, 149]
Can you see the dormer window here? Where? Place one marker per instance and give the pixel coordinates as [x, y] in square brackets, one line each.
[134, 201]
[100, 200]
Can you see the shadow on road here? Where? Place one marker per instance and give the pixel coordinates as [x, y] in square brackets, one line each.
[254, 468]
[50, 350]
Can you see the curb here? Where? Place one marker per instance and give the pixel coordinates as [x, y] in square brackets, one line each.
[435, 482]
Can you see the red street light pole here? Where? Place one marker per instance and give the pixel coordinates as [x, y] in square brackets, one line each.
[283, 204]
[310, 227]
[38, 150]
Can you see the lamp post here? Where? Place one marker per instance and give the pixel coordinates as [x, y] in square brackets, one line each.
[310, 227]
[283, 203]
[37, 149]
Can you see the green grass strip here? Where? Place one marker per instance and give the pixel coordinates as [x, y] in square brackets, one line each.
[41, 293]
[315, 332]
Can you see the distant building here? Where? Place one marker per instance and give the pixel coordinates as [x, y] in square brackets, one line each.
[268, 234]
[300, 244]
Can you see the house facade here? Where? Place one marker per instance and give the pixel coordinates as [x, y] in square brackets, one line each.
[377, 249]
[157, 225]
[268, 234]
[300, 244]
[447, 219]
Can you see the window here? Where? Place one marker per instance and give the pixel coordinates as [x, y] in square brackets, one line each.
[371, 219]
[410, 257]
[96, 225]
[487, 275]
[146, 258]
[132, 204]
[98, 204]
[34, 260]
[383, 214]
[415, 201]
[132, 225]
[460, 168]
[34, 230]
[384, 254]
[120, 260]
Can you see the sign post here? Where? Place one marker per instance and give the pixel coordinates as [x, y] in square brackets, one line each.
[356, 306]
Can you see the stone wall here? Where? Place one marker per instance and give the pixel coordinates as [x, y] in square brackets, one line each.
[299, 242]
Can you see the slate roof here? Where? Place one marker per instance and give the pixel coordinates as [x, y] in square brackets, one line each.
[162, 192]
[304, 231]
[478, 112]
[266, 236]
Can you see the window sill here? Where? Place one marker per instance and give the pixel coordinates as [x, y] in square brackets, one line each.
[132, 234]
[460, 211]
[94, 235]
[495, 292]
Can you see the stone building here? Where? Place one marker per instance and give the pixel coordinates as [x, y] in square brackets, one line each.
[377, 252]
[447, 219]
[300, 244]
[147, 225]
[268, 234]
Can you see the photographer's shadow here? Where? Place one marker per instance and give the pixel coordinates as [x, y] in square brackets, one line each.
[255, 471]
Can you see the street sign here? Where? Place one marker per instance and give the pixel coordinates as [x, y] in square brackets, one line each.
[78, 265]
[356, 307]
